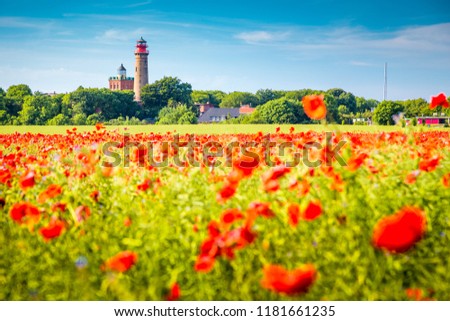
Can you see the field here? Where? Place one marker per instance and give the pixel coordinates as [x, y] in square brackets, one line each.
[209, 129]
[230, 213]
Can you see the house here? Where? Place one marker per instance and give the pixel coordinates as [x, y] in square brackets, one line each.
[211, 114]
[215, 115]
[434, 120]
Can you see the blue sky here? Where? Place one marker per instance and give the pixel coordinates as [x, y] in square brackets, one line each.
[231, 45]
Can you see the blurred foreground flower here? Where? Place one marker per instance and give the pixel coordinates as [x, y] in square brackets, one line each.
[439, 100]
[52, 230]
[24, 212]
[314, 107]
[122, 261]
[399, 232]
[280, 280]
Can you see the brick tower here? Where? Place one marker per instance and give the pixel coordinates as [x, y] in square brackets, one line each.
[141, 71]
[121, 81]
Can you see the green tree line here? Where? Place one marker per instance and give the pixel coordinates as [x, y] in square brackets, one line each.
[171, 101]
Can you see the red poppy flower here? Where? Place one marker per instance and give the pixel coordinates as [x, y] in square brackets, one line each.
[271, 186]
[59, 207]
[175, 293]
[256, 209]
[313, 210]
[414, 294]
[5, 175]
[446, 180]
[314, 107]
[27, 180]
[294, 214]
[303, 187]
[270, 178]
[22, 212]
[280, 280]
[246, 165]
[204, 263]
[275, 173]
[429, 164]
[52, 191]
[145, 185]
[246, 236]
[227, 191]
[356, 161]
[399, 232]
[99, 126]
[439, 100]
[231, 215]
[52, 230]
[122, 261]
[107, 169]
[94, 195]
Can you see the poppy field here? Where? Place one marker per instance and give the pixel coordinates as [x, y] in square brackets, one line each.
[286, 215]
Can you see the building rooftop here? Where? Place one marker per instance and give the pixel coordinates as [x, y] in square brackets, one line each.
[218, 114]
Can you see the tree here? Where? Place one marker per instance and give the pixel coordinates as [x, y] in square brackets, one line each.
[416, 107]
[155, 96]
[126, 106]
[37, 110]
[15, 96]
[176, 115]
[203, 96]
[382, 115]
[344, 98]
[332, 108]
[342, 112]
[59, 119]
[281, 111]
[363, 105]
[94, 119]
[2, 98]
[299, 94]
[79, 119]
[238, 98]
[4, 114]
[104, 102]
[265, 95]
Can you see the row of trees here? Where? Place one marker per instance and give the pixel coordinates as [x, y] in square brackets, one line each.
[170, 101]
[19, 106]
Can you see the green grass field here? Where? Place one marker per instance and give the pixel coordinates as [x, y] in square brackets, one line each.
[209, 128]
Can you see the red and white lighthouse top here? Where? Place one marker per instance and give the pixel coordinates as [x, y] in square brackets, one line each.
[141, 46]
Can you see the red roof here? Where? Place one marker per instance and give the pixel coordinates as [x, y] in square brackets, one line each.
[246, 109]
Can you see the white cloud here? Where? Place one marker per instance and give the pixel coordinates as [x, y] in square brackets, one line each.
[25, 23]
[407, 40]
[254, 37]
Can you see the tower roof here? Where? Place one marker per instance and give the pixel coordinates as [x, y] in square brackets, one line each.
[142, 40]
[121, 68]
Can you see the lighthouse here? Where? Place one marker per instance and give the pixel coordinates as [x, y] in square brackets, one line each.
[141, 70]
